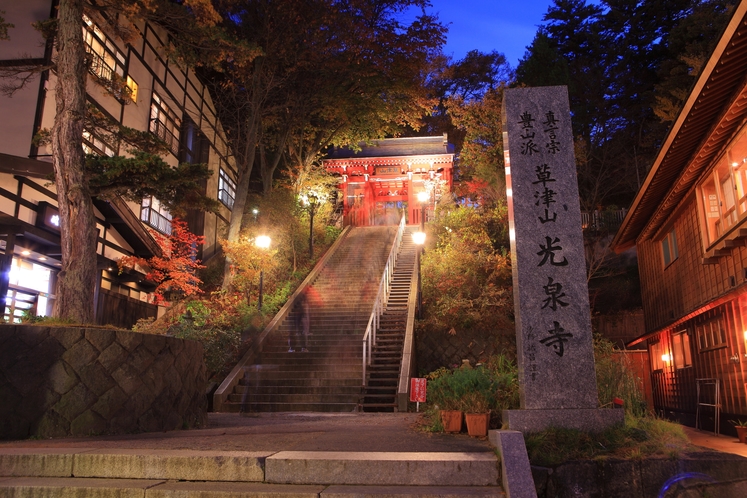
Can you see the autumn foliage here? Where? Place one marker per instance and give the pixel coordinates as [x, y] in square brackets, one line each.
[175, 272]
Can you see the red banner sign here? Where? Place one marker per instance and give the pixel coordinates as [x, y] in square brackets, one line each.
[417, 390]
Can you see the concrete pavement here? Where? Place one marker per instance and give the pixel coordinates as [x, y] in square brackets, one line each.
[290, 431]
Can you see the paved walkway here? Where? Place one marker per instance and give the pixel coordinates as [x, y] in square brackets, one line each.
[706, 439]
[394, 432]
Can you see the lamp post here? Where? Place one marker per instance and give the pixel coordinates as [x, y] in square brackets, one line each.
[422, 199]
[312, 202]
[419, 239]
[263, 242]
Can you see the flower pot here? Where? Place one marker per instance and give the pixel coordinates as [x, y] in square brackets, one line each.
[742, 434]
[477, 423]
[451, 420]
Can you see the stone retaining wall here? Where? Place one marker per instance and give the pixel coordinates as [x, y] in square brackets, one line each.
[719, 474]
[441, 349]
[69, 381]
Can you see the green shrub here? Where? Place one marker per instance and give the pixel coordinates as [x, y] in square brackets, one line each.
[616, 379]
[493, 386]
[639, 437]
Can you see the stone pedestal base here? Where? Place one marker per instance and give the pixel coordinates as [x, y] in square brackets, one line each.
[583, 419]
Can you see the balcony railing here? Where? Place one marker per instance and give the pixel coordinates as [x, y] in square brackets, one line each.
[602, 221]
[156, 220]
[161, 131]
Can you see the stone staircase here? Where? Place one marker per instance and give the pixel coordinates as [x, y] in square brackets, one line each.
[380, 394]
[153, 473]
[328, 377]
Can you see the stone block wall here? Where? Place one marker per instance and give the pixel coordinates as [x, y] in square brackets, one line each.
[70, 381]
[437, 349]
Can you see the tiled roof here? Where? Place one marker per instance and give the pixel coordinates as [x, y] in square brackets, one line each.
[411, 146]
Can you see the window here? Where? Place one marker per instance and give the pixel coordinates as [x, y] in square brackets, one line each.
[164, 123]
[656, 353]
[92, 144]
[722, 195]
[669, 248]
[711, 334]
[195, 146]
[132, 87]
[682, 355]
[226, 189]
[156, 215]
[106, 59]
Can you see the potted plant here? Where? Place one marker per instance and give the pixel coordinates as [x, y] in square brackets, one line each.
[478, 399]
[741, 427]
[446, 392]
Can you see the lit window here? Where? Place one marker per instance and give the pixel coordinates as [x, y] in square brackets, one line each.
[132, 87]
[226, 189]
[656, 353]
[669, 248]
[106, 60]
[681, 352]
[156, 215]
[164, 123]
[723, 193]
[92, 144]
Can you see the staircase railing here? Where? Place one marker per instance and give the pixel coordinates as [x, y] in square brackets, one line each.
[407, 368]
[369, 337]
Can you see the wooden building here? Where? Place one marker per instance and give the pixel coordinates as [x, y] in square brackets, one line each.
[689, 225]
[163, 97]
[381, 180]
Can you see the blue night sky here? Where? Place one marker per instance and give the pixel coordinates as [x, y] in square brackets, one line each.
[507, 26]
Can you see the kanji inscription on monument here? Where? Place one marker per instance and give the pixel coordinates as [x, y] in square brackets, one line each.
[551, 300]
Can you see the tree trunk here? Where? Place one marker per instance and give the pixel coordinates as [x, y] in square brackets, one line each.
[78, 236]
[245, 164]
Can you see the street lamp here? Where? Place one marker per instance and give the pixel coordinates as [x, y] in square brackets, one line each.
[422, 199]
[255, 212]
[312, 202]
[263, 242]
[419, 239]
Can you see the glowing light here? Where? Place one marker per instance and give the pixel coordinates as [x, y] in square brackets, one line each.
[42, 258]
[25, 253]
[262, 241]
[423, 196]
[745, 335]
[418, 238]
[666, 358]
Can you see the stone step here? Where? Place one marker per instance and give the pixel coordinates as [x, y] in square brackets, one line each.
[384, 469]
[306, 399]
[104, 488]
[354, 389]
[277, 407]
[306, 383]
[293, 374]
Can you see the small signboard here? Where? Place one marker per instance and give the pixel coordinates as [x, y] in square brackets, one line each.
[417, 390]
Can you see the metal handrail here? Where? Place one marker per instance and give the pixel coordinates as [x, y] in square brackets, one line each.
[369, 337]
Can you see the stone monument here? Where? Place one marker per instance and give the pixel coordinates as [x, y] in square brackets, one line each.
[553, 324]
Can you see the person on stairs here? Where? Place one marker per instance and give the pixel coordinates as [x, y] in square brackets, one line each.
[301, 326]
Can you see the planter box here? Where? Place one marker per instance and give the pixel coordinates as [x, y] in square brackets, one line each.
[451, 420]
[477, 423]
[742, 434]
